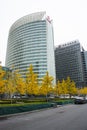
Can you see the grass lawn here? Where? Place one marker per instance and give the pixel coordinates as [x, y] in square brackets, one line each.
[21, 104]
[7, 103]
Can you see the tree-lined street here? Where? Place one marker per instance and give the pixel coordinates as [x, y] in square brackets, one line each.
[69, 117]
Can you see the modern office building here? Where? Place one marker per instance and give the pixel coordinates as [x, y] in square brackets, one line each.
[31, 41]
[86, 59]
[70, 61]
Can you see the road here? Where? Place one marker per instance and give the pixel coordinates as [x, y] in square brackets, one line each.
[69, 117]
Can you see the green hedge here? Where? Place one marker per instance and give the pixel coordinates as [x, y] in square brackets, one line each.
[31, 107]
[19, 109]
[65, 102]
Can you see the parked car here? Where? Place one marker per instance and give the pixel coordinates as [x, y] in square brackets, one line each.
[80, 100]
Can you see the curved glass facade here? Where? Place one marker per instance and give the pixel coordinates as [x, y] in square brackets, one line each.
[28, 44]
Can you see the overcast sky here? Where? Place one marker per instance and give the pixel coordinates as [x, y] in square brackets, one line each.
[69, 19]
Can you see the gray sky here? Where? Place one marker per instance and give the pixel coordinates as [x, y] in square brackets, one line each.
[69, 19]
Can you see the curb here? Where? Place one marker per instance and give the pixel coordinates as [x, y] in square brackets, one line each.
[4, 117]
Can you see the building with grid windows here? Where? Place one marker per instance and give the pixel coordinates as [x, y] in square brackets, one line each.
[31, 41]
[70, 61]
[86, 59]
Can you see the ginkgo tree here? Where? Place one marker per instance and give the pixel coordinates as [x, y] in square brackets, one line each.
[58, 88]
[64, 87]
[46, 86]
[11, 84]
[2, 81]
[71, 87]
[31, 81]
[83, 91]
[15, 83]
[20, 84]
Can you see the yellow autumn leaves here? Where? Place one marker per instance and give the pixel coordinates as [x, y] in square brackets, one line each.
[12, 82]
[66, 87]
[2, 81]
